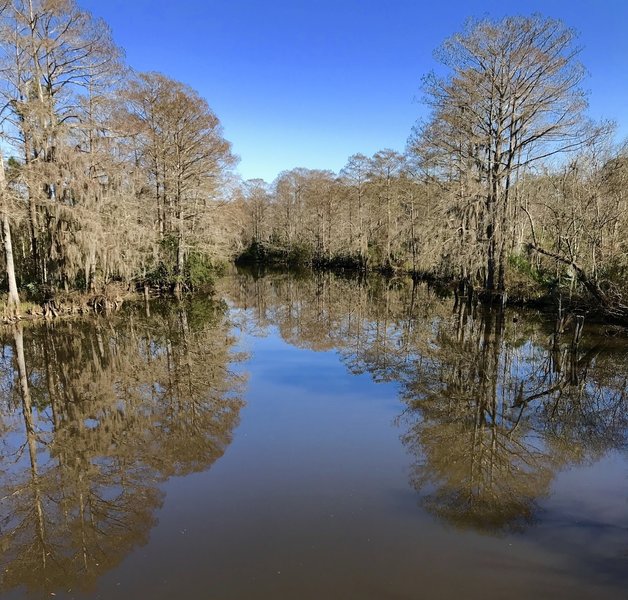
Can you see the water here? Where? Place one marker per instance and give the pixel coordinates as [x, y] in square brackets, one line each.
[313, 437]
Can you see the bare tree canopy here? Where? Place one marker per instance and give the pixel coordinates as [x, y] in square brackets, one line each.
[87, 141]
[506, 190]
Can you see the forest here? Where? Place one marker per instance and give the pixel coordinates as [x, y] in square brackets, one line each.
[117, 181]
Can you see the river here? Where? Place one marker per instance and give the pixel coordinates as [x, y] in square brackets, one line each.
[313, 436]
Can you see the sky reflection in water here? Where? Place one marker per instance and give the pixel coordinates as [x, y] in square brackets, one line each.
[313, 437]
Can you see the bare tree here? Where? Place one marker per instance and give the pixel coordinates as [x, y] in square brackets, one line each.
[512, 98]
[179, 144]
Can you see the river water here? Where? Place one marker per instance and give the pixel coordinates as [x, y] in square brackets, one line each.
[308, 437]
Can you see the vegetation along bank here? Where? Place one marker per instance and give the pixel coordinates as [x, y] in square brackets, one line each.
[117, 182]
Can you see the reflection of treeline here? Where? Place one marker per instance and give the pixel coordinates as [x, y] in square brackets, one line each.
[96, 414]
[494, 411]
[496, 403]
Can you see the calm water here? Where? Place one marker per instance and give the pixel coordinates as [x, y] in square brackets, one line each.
[312, 438]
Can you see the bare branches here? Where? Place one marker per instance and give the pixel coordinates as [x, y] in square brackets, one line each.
[86, 153]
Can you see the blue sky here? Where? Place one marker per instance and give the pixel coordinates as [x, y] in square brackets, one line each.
[309, 83]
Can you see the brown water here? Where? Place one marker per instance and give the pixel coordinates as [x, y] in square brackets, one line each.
[313, 437]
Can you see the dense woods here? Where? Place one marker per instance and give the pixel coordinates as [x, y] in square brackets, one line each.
[506, 189]
[112, 176]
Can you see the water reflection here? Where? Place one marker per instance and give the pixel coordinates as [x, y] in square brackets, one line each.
[496, 404]
[496, 409]
[94, 416]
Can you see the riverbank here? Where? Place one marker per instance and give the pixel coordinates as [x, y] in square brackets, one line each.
[110, 299]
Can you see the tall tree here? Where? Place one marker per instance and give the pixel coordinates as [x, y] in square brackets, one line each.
[184, 154]
[511, 98]
[56, 58]
[355, 176]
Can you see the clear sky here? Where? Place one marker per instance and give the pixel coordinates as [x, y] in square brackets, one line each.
[308, 83]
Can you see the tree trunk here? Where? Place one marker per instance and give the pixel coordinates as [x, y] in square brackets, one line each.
[13, 301]
[178, 286]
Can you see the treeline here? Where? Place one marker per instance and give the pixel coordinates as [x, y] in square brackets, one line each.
[507, 188]
[111, 175]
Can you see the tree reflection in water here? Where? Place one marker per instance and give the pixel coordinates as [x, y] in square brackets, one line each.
[95, 415]
[495, 411]
[495, 403]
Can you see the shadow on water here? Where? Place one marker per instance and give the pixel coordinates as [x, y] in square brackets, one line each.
[94, 416]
